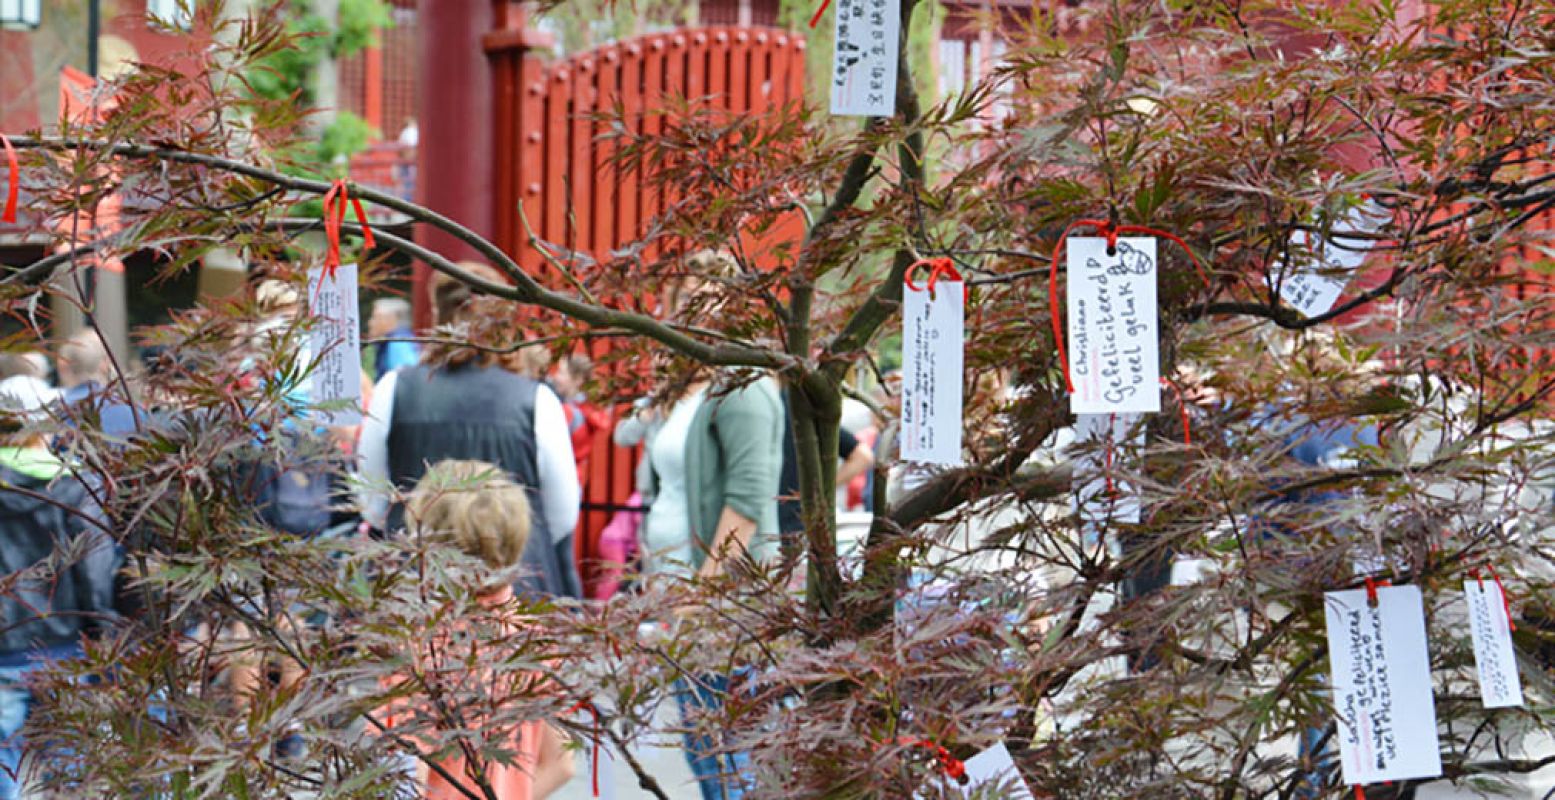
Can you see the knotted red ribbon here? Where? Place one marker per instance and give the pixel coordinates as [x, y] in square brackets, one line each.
[937, 267]
[334, 216]
[594, 756]
[953, 767]
[13, 182]
[1371, 588]
[1111, 232]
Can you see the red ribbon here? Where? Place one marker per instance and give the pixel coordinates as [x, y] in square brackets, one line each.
[1111, 232]
[1182, 409]
[1506, 599]
[594, 758]
[334, 216]
[1371, 588]
[1360, 792]
[14, 171]
[948, 764]
[819, 11]
[937, 267]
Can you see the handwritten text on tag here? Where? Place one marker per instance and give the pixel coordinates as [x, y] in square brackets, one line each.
[1114, 342]
[336, 344]
[1101, 496]
[1307, 288]
[1381, 675]
[864, 63]
[932, 351]
[1495, 660]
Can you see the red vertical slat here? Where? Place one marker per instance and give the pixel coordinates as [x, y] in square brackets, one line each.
[793, 68]
[580, 171]
[603, 237]
[633, 58]
[739, 70]
[759, 76]
[530, 181]
[718, 68]
[558, 99]
[696, 75]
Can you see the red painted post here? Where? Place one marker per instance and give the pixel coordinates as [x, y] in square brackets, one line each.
[456, 128]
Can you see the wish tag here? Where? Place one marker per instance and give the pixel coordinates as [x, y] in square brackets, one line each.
[863, 76]
[1381, 676]
[1499, 684]
[933, 322]
[993, 769]
[1315, 285]
[1100, 497]
[1114, 342]
[336, 344]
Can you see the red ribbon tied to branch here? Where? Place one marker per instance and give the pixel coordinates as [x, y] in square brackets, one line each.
[334, 216]
[953, 767]
[1111, 232]
[937, 267]
[13, 183]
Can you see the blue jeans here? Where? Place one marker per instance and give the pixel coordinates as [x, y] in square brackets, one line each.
[720, 776]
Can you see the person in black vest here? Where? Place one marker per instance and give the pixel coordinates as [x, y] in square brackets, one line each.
[467, 403]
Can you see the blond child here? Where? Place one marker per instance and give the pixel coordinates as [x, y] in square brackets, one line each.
[474, 507]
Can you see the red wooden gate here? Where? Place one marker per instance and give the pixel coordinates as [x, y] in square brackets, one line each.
[549, 156]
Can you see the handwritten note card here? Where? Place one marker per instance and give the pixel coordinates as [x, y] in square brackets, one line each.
[1114, 342]
[1101, 496]
[1315, 283]
[992, 769]
[932, 352]
[864, 63]
[336, 344]
[1499, 684]
[1381, 676]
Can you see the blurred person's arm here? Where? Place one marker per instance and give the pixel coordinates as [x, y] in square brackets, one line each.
[633, 428]
[857, 459]
[372, 450]
[752, 471]
[560, 493]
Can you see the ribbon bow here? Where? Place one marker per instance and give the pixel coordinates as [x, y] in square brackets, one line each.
[334, 216]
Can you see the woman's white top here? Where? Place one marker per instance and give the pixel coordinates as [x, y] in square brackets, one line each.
[666, 533]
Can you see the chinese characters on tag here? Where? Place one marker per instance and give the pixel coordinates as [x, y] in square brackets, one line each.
[864, 63]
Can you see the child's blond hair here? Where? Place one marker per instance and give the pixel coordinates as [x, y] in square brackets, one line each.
[473, 506]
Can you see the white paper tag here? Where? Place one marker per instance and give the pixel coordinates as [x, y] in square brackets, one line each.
[1381, 674]
[1499, 684]
[336, 344]
[864, 63]
[933, 341]
[1096, 506]
[993, 768]
[1305, 287]
[1114, 342]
